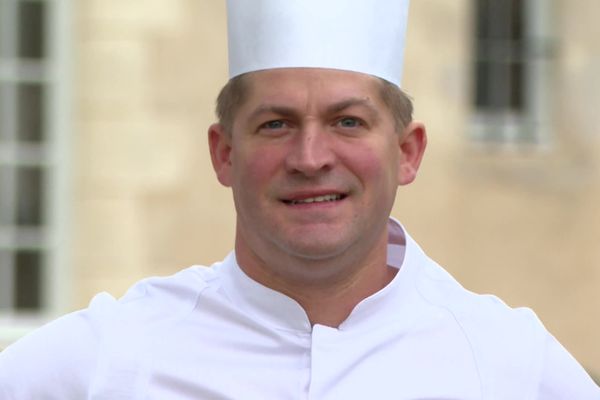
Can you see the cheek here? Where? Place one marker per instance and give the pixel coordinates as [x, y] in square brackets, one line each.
[255, 167]
[371, 164]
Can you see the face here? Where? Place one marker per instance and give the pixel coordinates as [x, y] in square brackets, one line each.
[314, 160]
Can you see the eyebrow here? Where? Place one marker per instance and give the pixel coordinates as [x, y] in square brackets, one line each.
[271, 108]
[331, 109]
[352, 102]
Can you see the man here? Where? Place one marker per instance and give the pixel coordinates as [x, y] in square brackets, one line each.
[324, 296]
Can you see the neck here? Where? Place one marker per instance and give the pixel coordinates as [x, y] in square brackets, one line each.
[327, 290]
[332, 306]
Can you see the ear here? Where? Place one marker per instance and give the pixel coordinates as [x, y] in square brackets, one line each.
[219, 143]
[413, 141]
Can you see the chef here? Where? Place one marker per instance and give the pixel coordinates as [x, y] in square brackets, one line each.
[324, 295]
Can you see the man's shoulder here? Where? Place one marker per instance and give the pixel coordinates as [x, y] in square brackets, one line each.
[64, 356]
[154, 301]
[478, 314]
[437, 288]
[178, 290]
[496, 333]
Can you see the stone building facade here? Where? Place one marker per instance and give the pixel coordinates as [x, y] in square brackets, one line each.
[519, 219]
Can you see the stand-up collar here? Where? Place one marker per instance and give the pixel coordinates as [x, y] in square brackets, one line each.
[282, 312]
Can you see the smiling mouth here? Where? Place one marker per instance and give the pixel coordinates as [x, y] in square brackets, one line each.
[317, 199]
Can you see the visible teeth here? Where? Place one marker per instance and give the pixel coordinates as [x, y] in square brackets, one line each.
[318, 199]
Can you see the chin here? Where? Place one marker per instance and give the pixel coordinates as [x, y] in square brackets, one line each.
[315, 250]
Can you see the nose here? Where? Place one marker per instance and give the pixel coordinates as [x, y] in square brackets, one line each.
[310, 152]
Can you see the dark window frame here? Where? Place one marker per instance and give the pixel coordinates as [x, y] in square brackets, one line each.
[34, 158]
[512, 53]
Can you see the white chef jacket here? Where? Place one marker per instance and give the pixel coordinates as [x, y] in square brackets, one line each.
[213, 333]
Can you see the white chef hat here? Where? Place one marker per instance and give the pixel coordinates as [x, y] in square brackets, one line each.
[365, 36]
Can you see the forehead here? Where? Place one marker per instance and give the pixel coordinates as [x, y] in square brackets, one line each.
[317, 86]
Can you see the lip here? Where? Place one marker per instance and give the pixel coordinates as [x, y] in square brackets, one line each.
[290, 198]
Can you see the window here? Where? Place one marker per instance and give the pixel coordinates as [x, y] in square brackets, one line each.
[32, 158]
[511, 57]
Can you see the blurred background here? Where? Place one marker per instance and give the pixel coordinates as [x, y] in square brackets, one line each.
[105, 175]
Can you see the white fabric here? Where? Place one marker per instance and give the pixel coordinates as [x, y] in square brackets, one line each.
[213, 333]
[365, 36]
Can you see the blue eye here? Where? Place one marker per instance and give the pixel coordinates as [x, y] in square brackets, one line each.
[275, 124]
[349, 122]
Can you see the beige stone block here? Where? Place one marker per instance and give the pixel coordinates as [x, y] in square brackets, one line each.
[136, 155]
[136, 14]
[106, 237]
[113, 77]
[194, 224]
